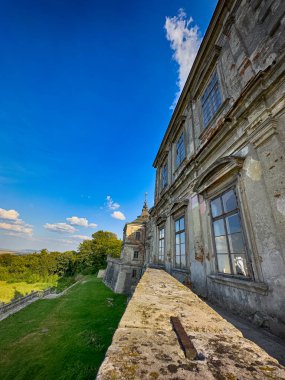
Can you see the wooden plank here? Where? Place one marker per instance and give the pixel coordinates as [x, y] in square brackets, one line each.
[184, 340]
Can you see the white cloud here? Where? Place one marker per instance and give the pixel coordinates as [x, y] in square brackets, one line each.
[185, 40]
[19, 221]
[81, 237]
[16, 228]
[10, 221]
[74, 220]
[118, 215]
[111, 204]
[9, 214]
[60, 227]
[83, 222]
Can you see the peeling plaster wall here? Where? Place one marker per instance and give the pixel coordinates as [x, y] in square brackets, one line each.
[250, 125]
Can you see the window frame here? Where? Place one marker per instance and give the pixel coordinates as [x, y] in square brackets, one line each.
[179, 232]
[164, 176]
[160, 239]
[136, 255]
[181, 145]
[223, 216]
[209, 99]
[138, 235]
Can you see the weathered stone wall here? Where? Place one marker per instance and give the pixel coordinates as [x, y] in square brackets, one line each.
[123, 274]
[242, 146]
[146, 347]
[120, 275]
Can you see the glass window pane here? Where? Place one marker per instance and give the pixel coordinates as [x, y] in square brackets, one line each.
[223, 264]
[177, 239]
[233, 224]
[177, 225]
[183, 261]
[211, 100]
[219, 227]
[221, 244]
[181, 224]
[229, 201]
[177, 251]
[216, 207]
[240, 265]
[182, 238]
[182, 249]
[236, 243]
[177, 261]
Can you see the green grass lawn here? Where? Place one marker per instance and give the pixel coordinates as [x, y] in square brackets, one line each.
[62, 338]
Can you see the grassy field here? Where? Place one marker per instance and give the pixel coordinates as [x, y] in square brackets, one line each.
[62, 338]
[7, 290]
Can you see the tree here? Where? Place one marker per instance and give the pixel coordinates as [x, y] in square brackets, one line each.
[92, 254]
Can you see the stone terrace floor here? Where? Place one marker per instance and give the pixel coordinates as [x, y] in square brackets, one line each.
[146, 347]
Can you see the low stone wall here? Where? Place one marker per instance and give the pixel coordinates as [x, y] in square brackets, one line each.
[21, 301]
[146, 347]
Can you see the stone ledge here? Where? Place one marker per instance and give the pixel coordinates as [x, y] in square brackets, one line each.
[146, 347]
[249, 286]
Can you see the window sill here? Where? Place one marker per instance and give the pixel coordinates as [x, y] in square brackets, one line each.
[247, 285]
[156, 266]
[164, 190]
[179, 167]
[179, 270]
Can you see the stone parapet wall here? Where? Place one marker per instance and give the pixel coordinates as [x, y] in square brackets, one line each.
[146, 347]
[21, 302]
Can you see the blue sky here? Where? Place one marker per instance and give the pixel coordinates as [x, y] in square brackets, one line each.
[85, 98]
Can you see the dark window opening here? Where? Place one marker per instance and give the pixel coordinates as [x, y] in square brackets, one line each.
[180, 253]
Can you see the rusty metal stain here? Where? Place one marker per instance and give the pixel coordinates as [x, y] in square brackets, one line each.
[184, 340]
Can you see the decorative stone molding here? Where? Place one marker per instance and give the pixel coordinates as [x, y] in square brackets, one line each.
[249, 286]
[228, 24]
[264, 132]
[178, 206]
[161, 220]
[163, 157]
[222, 167]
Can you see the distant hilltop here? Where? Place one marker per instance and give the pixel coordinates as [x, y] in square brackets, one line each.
[21, 252]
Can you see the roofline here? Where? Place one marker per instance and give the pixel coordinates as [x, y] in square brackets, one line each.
[214, 22]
